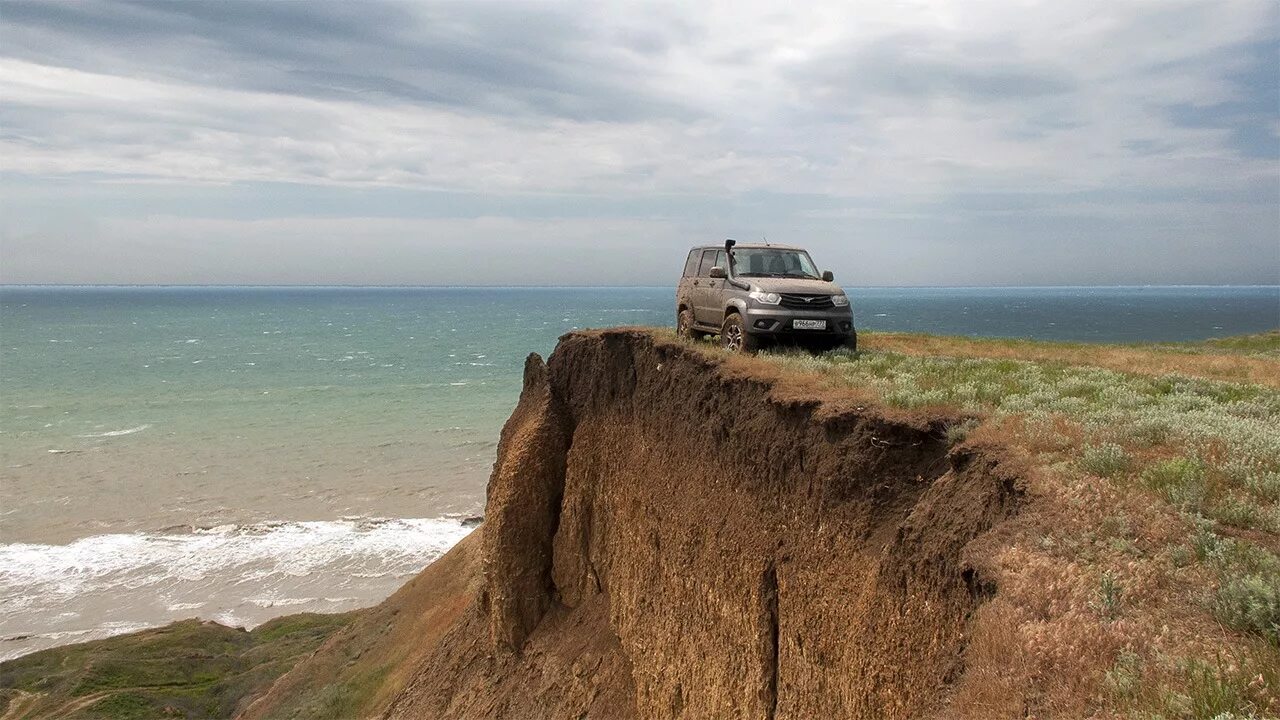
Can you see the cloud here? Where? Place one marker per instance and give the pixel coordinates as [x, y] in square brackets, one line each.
[510, 58]
[356, 250]
[834, 118]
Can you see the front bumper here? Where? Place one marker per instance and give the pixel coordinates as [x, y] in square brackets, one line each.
[771, 321]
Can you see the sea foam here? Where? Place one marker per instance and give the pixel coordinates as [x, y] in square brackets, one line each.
[106, 584]
[116, 433]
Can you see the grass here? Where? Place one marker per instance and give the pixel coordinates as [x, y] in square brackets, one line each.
[1205, 446]
[1150, 577]
[189, 669]
[1259, 345]
[1245, 358]
[1108, 596]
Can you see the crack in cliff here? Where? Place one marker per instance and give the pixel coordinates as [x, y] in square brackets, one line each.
[769, 632]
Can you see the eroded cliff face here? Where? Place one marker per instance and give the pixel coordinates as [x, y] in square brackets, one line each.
[671, 535]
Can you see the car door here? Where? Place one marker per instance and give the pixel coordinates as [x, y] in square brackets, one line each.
[708, 305]
[702, 284]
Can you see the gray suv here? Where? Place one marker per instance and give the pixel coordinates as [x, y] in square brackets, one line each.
[752, 295]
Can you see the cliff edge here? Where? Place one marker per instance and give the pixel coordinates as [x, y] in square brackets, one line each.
[932, 527]
[672, 534]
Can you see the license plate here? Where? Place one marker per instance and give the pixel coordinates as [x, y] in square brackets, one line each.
[809, 324]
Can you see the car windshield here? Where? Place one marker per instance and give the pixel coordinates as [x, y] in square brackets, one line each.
[771, 262]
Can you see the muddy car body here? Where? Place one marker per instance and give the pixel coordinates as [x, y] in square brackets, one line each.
[759, 294]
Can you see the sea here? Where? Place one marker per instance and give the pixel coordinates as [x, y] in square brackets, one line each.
[239, 453]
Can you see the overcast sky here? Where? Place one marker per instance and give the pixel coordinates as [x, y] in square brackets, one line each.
[905, 143]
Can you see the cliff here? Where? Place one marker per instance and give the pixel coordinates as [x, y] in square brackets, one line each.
[672, 534]
[932, 527]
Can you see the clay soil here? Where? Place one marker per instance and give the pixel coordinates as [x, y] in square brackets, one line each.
[669, 535]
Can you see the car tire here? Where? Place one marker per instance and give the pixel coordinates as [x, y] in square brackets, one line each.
[734, 336]
[851, 343]
[684, 326]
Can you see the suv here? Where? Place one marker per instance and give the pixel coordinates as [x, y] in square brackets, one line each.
[759, 293]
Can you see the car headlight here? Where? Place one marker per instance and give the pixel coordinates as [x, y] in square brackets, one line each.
[840, 300]
[766, 298]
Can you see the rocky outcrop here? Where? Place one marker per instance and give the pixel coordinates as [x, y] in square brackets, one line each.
[523, 512]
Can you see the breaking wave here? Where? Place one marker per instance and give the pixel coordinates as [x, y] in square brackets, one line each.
[243, 574]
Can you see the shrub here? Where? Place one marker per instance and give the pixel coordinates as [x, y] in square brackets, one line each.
[1151, 431]
[1181, 481]
[1236, 510]
[1266, 484]
[957, 432]
[1207, 544]
[1251, 603]
[1124, 679]
[1107, 460]
[1180, 556]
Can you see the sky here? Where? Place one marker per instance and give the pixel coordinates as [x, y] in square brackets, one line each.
[528, 143]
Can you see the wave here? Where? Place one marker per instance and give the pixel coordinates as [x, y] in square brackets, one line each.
[106, 584]
[292, 548]
[116, 433]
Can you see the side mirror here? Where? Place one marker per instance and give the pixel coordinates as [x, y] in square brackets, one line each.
[828, 276]
[718, 272]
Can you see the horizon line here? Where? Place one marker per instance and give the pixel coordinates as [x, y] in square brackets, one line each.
[352, 286]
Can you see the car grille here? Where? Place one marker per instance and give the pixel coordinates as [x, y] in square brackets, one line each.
[806, 302]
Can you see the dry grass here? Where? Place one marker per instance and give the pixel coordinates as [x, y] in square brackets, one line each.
[1252, 358]
[1143, 581]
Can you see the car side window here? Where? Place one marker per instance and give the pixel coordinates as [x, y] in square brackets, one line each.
[708, 262]
[691, 265]
[722, 260]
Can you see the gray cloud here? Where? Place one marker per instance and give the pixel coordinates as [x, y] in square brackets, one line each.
[926, 130]
[919, 68]
[510, 58]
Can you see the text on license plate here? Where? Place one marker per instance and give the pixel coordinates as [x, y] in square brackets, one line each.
[809, 324]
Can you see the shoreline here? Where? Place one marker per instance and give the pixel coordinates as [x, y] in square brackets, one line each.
[237, 575]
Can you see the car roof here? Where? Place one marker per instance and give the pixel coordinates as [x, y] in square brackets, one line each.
[752, 246]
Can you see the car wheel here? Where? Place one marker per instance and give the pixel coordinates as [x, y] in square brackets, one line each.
[684, 326]
[734, 336]
[851, 343]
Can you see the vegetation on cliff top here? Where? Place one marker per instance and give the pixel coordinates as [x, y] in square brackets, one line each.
[1148, 580]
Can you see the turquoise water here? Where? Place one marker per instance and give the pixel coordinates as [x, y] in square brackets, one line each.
[239, 453]
[389, 401]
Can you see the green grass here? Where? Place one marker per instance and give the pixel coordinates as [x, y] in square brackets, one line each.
[1265, 344]
[1170, 687]
[1109, 596]
[1181, 481]
[189, 669]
